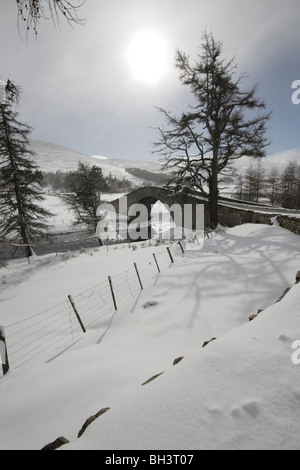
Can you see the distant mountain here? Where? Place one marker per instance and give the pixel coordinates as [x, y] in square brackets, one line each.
[51, 157]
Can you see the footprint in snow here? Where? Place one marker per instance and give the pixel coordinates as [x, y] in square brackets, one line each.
[150, 304]
[251, 408]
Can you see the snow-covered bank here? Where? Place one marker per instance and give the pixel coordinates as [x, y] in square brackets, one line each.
[241, 391]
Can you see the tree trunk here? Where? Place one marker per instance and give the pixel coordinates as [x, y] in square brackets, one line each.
[214, 194]
[25, 240]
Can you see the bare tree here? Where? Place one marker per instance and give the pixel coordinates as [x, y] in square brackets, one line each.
[259, 180]
[290, 186]
[220, 128]
[32, 11]
[249, 178]
[239, 189]
[273, 185]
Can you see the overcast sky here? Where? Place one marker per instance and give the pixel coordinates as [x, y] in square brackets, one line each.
[82, 89]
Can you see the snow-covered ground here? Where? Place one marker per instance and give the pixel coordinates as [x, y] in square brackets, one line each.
[63, 217]
[241, 391]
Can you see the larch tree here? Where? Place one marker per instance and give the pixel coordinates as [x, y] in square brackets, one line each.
[224, 124]
[273, 181]
[30, 12]
[22, 219]
[290, 186]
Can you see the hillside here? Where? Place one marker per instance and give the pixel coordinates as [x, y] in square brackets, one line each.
[51, 157]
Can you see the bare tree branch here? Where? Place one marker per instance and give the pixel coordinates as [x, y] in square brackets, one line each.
[30, 12]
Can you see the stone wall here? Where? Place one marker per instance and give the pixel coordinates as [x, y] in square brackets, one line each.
[290, 223]
[230, 217]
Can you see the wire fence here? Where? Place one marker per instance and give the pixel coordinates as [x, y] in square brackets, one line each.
[43, 336]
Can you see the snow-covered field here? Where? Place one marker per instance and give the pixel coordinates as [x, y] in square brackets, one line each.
[63, 217]
[241, 391]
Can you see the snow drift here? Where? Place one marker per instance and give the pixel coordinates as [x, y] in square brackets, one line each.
[240, 392]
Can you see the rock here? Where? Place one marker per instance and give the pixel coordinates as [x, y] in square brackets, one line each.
[152, 378]
[207, 342]
[256, 315]
[91, 419]
[61, 441]
[150, 304]
[298, 277]
[283, 295]
[177, 360]
[252, 317]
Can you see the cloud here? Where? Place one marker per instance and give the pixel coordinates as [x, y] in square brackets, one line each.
[78, 89]
[282, 159]
[278, 160]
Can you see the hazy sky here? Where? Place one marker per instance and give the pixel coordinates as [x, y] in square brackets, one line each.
[85, 90]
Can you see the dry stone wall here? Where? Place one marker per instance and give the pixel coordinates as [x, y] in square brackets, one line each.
[230, 217]
[290, 223]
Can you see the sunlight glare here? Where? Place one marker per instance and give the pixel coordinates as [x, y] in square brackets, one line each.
[147, 57]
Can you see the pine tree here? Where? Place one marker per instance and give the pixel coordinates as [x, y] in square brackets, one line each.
[22, 219]
[85, 187]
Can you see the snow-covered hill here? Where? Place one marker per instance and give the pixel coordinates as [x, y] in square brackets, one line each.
[51, 157]
[240, 392]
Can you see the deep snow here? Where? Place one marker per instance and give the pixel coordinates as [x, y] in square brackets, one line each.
[241, 391]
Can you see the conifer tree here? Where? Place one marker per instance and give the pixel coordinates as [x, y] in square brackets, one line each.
[220, 127]
[84, 188]
[22, 219]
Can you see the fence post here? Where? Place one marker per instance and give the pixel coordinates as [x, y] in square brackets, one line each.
[112, 292]
[3, 352]
[180, 244]
[76, 313]
[138, 275]
[158, 268]
[170, 254]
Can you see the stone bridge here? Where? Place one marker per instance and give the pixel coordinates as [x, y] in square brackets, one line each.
[148, 196]
[139, 203]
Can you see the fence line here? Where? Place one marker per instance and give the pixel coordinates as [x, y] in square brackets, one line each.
[44, 334]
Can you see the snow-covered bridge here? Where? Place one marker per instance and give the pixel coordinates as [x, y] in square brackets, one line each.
[187, 211]
[231, 213]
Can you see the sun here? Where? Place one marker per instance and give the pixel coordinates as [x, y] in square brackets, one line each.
[147, 56]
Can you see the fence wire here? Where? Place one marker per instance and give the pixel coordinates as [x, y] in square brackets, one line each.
[45, 334]
[46, 331]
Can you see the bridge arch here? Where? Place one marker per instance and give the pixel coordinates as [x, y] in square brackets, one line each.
[143, 199]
